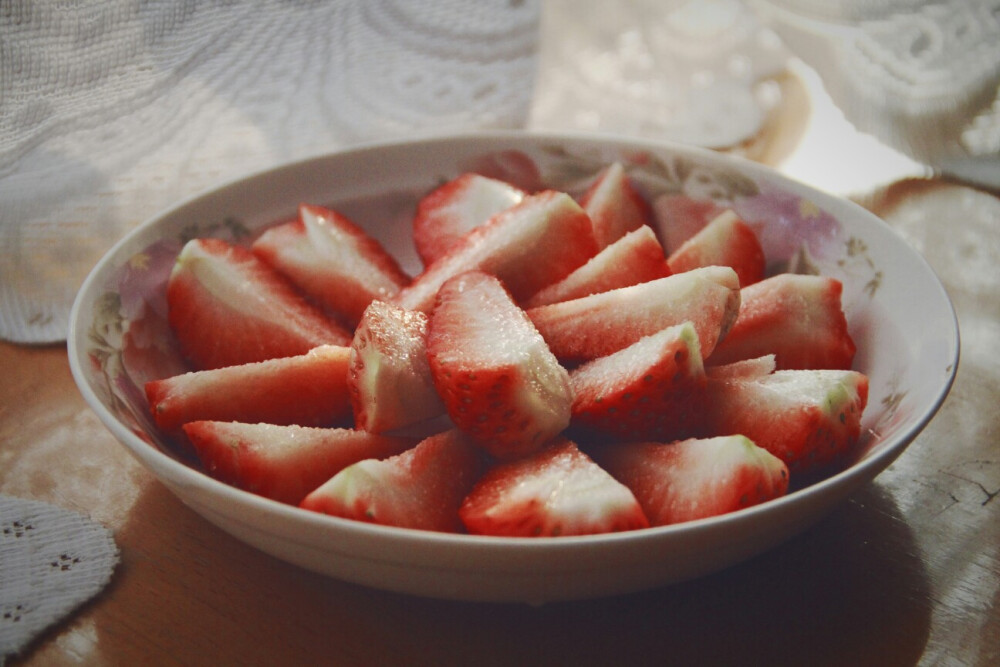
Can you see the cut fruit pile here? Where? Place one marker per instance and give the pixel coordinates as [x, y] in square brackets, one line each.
[575, 376]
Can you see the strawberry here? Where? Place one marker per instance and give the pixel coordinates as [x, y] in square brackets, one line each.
[454, 208]
[308, 389]
[680, 217]
[695, 478]
[389, 379]
[528, 246]
[743, 369]
[797, 318]
[614, 206]
[556, 491]
[652, 389]
[227, 307]
[725, 241]
[810, 419]
[498, 379]
[635, 258]
[421, 488]
[284, 463]
[332, 260]
[597, 325]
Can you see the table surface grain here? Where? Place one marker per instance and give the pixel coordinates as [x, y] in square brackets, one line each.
[905, 572]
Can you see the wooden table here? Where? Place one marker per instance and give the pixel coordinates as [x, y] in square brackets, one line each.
[906, 572]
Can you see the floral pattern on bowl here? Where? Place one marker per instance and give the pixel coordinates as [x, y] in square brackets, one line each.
[121, 339]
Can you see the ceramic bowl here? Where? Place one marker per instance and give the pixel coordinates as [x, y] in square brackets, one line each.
[899, 315]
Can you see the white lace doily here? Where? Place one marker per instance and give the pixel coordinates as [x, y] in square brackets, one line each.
[51, 561]
[923, 76]
[111, 110]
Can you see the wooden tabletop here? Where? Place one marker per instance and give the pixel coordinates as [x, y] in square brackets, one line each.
[906, 572]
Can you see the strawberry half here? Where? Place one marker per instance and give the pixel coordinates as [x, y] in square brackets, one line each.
[635, 258]
[810, 419]
[227, 307]
[614, 205]
[695, 478]
[308, 390]
[420, 488]
[797, 318]
[600, 324]
[389, 379]
[650, 390]
[725, 241]
[284, 463]
[497, 378]
[556, 491]
[332, 260]
[448, 212]
[528, 246]
[680, 217]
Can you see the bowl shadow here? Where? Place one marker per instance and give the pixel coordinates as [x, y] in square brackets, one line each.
[850, 590]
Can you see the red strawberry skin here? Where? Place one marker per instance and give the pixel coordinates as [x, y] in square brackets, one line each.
[528, 246]
[695, 478]
[797, 318]
[496, 376]
[635, 258]
[810, 419]
[284, 463]
[421, 488]
[653, 389]
[332, 260]
[556, 491]
[448, 212]
[308, 390]
[600, 324]
[227, 307]
[725, 241]
[389, 378]
[615, 206]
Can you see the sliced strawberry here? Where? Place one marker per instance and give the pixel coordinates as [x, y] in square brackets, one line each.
[421, 488]
[597, 325]
[556, 491]
[695, 478]
[809, 419]
[531, 245]
[498, 379]
[746, 369]
[725, 241]
[650, 390]
[332, 260]
[308, 390]
[797, 318]
[615, 206]
[390, 380]
[680, 217]
[284, 463]
[635, 258]
[448, 212]
[227, 307]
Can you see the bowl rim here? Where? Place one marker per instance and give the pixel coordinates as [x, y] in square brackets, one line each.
[181, 473]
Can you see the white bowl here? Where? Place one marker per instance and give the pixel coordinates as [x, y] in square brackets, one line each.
[899, 315]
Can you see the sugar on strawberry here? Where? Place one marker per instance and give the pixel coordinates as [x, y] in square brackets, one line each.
[332, 260]
[421, 487]
[227, 307]
[449, 211]
[695, 478]
[498, 379]
[309, 390]
[389, 378]
[556, 491]
[283, 463]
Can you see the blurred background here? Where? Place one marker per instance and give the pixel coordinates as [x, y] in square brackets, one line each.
[111, 111]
